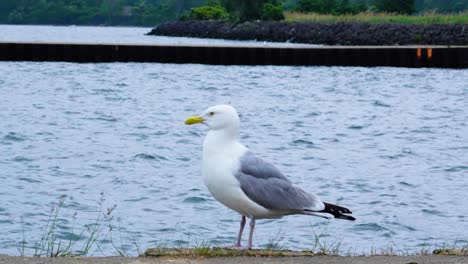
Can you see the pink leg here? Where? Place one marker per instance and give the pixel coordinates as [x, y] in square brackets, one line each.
[239, 237]
[252, 226]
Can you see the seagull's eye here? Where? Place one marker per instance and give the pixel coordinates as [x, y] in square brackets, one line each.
[211, 113]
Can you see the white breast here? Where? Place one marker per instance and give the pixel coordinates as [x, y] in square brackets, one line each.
[219, 167]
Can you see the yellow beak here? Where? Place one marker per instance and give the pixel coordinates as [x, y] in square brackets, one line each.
[194, 120]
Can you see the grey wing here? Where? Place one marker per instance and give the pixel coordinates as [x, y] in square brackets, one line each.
[264, 184]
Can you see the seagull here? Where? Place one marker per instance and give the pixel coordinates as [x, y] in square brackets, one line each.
[247, 184]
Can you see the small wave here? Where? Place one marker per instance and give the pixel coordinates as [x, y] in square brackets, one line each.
[397, 156]
[136, 199]
[194, 199]
[387, 195]
[68, 236]
[103, 118]
[407, 184]
[38, 106]
[456, 168]
[159, 133]
[279, 149]
[116, 99]
[22, 159]
[44, 133]
[209, 88]
[331, 140]
[311, 114]
[356, 127]
[432, 212]
[29, 180]
[149, 157]
[140, 136]
[102, 167]
[404, 227]
[459, 148]
[195, 133]
[72, 113]
[107, 118]
[105, 90]
[183, 158]
[8, 222]
[16, 137]
[371, 227]
[407, 151]
[167, 229]
[304, 142]
[380, 103]
[145, 156]
[120, 181]
[423, 130]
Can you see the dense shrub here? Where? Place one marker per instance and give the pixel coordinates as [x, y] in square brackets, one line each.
[249, 10]
[272, 12]
[335, 7]
[395, 6]
[206, 13]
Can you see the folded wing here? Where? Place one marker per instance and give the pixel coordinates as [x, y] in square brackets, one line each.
[264, 184]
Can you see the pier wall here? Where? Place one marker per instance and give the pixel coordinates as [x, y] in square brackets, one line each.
[395, 56]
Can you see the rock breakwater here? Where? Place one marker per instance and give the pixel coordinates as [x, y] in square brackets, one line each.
[320, 33]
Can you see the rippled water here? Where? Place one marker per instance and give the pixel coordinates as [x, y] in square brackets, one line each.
[390, 143]
[121, 35]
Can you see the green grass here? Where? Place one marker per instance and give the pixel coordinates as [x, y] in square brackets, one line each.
[368, 17]
[88, 239]
[451, 249]
[80, 243]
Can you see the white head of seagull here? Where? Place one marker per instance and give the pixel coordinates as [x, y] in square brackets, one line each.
[223, 124]
[218, 117]
[247, 184]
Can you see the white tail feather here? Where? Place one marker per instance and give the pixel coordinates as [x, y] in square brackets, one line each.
[323, 215]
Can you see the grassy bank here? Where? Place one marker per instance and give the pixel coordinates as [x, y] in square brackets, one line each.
[428, 18]
[102, 236]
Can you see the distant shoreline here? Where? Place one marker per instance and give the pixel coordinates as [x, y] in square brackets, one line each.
[328, 33]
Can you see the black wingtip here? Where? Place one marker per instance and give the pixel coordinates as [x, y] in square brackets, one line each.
[346, 217]
[338, 212]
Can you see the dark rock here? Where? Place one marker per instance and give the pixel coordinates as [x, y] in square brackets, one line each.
[320, 33]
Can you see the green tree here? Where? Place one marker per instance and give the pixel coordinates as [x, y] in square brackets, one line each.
[272, 12]
[248, 10]
[317, 6]
[336, 7]
[446, 6]
[395, 6]
[207, 12]
[110, 12]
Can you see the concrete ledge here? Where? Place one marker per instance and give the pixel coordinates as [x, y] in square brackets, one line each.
[395, 56]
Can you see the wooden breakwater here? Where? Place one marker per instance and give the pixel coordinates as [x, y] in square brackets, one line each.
[395, 56]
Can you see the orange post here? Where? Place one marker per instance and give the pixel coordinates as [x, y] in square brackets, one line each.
[429, 53]
[419, 53]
